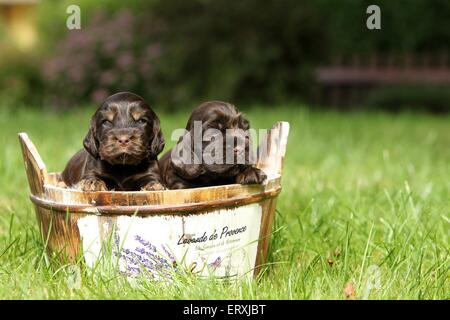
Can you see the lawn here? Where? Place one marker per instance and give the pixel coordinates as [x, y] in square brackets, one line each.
[365, 203]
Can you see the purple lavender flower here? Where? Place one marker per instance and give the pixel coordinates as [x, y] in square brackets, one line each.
[99, 95]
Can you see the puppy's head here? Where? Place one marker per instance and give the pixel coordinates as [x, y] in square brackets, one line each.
[124, 130]
[225, 141]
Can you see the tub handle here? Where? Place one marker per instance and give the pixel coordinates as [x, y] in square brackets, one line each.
[272, 150]
[34, 166]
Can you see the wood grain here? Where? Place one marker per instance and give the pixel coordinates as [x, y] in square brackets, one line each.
[34, 166]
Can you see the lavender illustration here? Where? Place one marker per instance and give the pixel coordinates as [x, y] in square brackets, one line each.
[145, 259]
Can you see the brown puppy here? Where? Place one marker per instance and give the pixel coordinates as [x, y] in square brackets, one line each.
[225, 120]
[120, 148]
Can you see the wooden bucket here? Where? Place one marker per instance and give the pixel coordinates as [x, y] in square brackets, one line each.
[222, 229]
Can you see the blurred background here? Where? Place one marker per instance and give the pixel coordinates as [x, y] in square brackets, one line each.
[367, 169]
[177, 53]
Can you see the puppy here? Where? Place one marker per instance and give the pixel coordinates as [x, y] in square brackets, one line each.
[120, 149]
[225, 119]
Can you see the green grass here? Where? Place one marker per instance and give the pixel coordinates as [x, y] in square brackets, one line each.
[363, 194]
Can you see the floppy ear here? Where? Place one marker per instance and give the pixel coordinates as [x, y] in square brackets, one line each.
[157, 143]
[90, 142]
[188, 165]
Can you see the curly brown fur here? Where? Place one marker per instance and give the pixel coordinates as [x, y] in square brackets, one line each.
[225, 118]
[120, 150]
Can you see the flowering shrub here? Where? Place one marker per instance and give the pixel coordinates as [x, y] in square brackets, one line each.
[179, 53]
[109, 54]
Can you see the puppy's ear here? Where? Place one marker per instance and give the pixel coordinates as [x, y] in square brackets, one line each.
[184, 160]
[90, 142]
[157, 143]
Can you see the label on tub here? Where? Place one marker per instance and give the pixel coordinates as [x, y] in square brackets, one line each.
[222, 243]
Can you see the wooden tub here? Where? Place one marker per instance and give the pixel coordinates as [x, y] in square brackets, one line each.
[224, 230]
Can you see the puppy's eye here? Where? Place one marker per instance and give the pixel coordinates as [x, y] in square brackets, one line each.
[142, 121]
[106, 123]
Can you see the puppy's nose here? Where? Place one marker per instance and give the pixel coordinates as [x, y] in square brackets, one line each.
[123, 139]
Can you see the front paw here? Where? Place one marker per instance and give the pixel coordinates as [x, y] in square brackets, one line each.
[251, 176]
[92, 184]
[153, 186]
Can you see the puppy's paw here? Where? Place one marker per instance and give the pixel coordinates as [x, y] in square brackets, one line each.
[92, 184]
[251, 175]
[153, 186]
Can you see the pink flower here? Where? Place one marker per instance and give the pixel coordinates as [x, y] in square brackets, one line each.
[99, 95]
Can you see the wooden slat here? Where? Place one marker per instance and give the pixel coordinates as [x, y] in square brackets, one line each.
[34, 166]
[272, 150]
